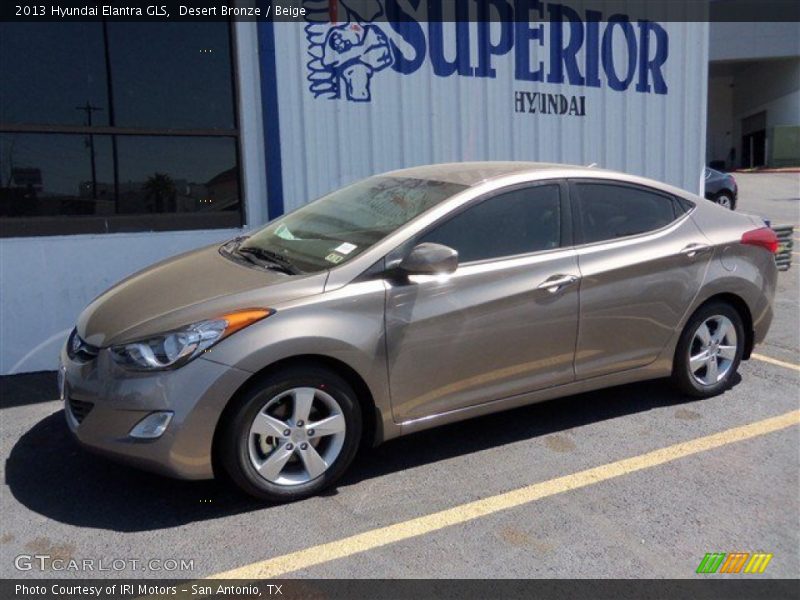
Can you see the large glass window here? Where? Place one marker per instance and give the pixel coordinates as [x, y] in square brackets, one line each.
[117, 127]
[517, 222]
[614, 211]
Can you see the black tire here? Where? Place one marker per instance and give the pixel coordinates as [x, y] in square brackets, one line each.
[726, 200]
[682, 375]
[234, 446]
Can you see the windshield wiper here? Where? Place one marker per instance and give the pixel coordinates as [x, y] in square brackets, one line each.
[273, 260]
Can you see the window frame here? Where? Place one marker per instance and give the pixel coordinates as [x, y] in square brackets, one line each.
[33, 226]
[678, 211]
[565, 221]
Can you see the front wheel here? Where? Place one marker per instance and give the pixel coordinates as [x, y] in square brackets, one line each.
[292, 435]
[709, 351]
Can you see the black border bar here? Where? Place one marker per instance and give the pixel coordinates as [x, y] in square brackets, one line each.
[382, 10]
[703, 587]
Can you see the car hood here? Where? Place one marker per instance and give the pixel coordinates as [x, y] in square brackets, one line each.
[185, 289]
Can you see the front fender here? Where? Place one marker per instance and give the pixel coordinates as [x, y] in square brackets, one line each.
[346, 325]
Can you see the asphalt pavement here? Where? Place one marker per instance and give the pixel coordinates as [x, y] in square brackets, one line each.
[509, 493]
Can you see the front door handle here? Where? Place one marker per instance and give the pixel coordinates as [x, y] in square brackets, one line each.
[693, 250]
[556, 282]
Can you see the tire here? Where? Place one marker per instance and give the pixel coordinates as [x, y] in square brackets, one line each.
[251, 452]
[725, 199]
[697, 378]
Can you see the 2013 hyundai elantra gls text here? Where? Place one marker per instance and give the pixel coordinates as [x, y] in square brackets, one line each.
[406, 301]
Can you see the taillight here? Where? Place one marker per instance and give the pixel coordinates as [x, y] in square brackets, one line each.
[763, 237]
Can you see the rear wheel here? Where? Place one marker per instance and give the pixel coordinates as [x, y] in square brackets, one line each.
[725, 199]
[709, 351]
[293, 435]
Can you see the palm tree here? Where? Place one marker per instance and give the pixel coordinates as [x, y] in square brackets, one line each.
[161, 190]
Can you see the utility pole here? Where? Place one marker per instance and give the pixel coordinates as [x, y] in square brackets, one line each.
[89, 109]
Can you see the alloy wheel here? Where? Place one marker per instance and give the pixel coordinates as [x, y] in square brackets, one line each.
[296, 436]
[713, 350]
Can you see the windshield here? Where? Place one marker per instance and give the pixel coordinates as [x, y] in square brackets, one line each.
[338, 227]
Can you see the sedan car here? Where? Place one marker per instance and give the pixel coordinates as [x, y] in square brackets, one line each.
[409, 300]
[721, 188]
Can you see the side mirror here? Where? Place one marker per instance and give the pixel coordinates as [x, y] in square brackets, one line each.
[429, 259]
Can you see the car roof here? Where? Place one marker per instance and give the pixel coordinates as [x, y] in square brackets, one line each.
[473, 173]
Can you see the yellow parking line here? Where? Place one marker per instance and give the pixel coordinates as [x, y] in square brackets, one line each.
[775, 361]
[315, 555]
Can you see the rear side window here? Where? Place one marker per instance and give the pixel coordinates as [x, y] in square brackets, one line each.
[613, 211]
[516, 222]
[682, 205]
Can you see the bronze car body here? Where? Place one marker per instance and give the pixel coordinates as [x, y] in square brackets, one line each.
[423, 350]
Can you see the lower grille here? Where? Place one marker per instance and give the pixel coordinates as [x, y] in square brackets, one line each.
[80, 409]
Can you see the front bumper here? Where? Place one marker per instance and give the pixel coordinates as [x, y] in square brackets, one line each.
[103, 402]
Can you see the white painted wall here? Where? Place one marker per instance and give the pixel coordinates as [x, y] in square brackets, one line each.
[421, 118]
[45, 282]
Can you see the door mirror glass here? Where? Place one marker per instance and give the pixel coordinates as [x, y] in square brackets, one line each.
[430, 259]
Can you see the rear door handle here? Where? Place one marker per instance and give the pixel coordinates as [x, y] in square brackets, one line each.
[556, 282]
[693, 250]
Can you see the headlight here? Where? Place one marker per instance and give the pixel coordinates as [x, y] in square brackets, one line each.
[175, 348]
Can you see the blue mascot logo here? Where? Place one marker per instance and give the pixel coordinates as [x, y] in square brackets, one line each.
[345, 56]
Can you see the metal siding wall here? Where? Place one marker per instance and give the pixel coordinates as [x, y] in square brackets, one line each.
[422, 118]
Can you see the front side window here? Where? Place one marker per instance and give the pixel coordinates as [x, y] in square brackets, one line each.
[614, 211]
[340, 226]
[517, 222]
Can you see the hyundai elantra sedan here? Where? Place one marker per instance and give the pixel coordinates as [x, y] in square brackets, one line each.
[409, 300]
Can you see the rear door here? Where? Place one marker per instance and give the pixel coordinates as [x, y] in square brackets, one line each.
[494, 328]
[642, 261]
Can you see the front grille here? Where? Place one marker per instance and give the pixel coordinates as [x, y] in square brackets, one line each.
[78, 349]
[79, 409]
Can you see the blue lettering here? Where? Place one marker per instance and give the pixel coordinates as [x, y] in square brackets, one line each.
[524, 34]
[350, 54]
[441, 66]
[593, 18]
[485, 47]
[614, 82]
[561, 56]
[647, 66]
[412, 34]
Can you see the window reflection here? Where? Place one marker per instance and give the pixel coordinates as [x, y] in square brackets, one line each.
[163, 75]
[180, 182]
[171, 75]
[49, 73]
[173, 174]
[117, 126]
[43, 175]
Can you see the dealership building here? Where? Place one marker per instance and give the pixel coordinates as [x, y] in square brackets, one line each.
[122, 143]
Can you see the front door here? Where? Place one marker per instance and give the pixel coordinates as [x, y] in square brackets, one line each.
[494, 328]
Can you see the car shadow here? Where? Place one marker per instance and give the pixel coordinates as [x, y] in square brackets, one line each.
[50, 474]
